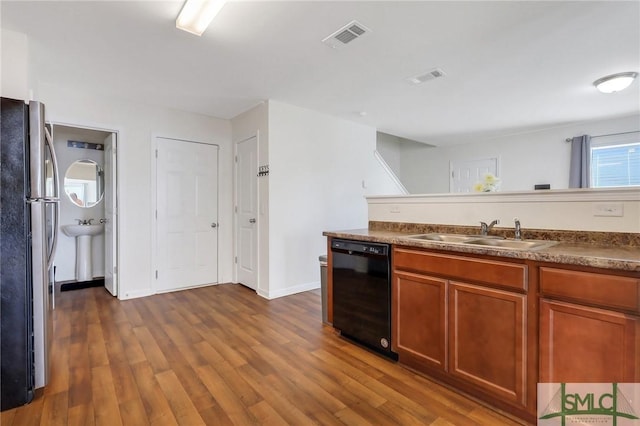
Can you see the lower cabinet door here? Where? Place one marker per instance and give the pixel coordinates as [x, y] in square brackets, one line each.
[419, 310]
[487, 340]
[580, 344]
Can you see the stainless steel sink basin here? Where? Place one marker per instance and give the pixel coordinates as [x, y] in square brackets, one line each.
[512, 244]
[485, 240]
[450, 238]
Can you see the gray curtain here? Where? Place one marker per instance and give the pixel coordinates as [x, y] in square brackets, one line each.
[579, 170]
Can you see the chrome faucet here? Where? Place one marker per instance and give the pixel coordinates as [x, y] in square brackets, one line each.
[518, 233]
[84, 221]
[485, 229]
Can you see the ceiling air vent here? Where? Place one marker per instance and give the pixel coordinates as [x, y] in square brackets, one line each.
[430, 75]
[346, 34]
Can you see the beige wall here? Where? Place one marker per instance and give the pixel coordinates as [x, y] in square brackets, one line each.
[136, 125]
[321, 169]
[560, 209]
[14, 69]
[524, 160]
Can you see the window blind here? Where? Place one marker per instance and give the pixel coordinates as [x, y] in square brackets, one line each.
[615, 165]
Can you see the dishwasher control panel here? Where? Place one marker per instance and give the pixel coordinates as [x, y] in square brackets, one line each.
[360, 247]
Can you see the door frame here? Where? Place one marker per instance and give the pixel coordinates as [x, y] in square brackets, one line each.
[115, 275]
[154, 205]
[235, 212]
[118, 202]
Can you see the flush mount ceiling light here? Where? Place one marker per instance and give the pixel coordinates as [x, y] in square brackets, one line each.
[615, 82]
[196, 15]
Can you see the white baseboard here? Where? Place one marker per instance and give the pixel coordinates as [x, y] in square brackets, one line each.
[266, 294]
[171, 290]
[288, 291]
[135, 294]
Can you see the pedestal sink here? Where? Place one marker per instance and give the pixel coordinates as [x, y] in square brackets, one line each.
[83, 234]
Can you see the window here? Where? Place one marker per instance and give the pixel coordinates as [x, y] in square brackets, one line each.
[616, 162]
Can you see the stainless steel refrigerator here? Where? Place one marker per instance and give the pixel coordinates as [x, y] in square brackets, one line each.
[29, 214]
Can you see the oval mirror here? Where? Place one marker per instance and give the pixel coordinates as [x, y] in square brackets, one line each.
[84, 183]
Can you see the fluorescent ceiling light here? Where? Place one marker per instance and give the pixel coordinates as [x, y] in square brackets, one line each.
[196, 15]
[615, 82]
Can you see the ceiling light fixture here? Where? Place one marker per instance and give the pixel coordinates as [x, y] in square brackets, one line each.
[615, 82]
[196, 15]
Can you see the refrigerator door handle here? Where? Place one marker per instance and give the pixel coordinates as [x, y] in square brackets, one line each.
[55, 200]
[40, 293]
[54, 162]
[54, 239]
[37, 141]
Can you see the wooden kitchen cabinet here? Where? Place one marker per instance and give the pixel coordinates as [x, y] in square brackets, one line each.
[463, 320]
[589, 327]
[420, 320]
[487, 339]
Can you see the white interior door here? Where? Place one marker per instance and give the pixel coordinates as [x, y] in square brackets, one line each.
[247, 213]
[111, 216]
[187, 214]
[465, 174]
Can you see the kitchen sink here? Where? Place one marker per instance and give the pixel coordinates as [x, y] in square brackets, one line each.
[511, 244]
[485, 240]
[450, 238]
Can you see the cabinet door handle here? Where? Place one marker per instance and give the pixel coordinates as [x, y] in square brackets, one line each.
[214, 225]
[252, 221]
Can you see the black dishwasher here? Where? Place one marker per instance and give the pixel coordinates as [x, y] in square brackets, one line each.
[362, 293]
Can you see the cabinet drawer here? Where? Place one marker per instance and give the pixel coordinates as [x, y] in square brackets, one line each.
[599, 289]
[511, 275]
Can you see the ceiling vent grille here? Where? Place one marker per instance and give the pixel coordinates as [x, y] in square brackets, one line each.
[430, 75]
[345, 35]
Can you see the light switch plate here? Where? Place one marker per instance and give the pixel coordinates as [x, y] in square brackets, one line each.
[608, 209]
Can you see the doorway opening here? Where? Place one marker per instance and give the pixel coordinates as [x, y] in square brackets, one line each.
[87, 161]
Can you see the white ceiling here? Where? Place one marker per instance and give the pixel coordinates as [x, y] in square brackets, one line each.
[511, 66]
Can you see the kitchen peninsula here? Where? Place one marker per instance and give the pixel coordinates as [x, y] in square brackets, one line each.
[492, 322]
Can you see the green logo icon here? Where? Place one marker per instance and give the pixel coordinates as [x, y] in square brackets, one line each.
[614, 405]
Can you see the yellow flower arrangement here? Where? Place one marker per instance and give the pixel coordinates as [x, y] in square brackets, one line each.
[489, 183]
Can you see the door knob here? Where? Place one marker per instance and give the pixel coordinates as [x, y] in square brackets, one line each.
[252, 221]
[214, 225]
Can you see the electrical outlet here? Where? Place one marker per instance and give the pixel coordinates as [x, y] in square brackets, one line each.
[608, 209]
[394, 209]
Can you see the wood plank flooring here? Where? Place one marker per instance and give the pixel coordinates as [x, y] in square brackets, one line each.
[221, 355]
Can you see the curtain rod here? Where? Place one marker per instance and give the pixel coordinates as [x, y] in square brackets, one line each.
[610, 134]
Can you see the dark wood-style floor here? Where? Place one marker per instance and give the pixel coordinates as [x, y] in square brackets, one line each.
[222, 355]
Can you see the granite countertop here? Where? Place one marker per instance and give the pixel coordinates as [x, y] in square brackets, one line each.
[607, 256]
